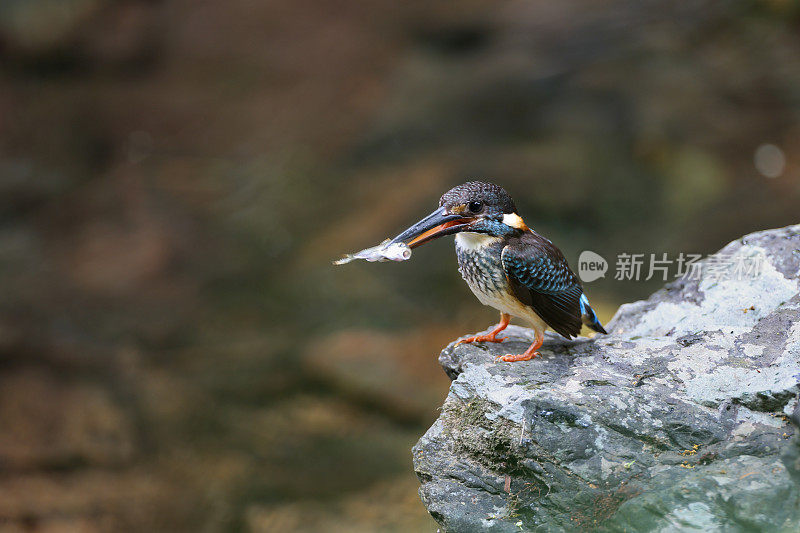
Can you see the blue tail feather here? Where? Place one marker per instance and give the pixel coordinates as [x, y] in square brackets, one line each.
[589, 317]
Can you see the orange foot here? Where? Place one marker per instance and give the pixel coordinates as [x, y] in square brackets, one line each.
[492, 336]
[527, 355]
[513, 358]
[489, 337]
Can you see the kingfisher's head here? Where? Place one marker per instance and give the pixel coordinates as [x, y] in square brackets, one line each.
[475, 207]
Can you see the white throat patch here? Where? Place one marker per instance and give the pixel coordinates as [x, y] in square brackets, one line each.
[474, 241]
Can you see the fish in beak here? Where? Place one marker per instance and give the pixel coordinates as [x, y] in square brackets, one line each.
[437, 224]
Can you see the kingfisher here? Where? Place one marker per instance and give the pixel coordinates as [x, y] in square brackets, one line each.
[506, 264]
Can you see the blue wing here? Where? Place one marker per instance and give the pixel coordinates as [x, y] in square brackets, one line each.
[540, 277]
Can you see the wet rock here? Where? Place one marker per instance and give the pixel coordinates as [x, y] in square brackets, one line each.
[359, 449]
[57, 425]
[91, 500]
[679, 418]
[398, 382]
[389, 506]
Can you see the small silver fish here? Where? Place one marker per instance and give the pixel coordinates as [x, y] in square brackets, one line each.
[385, 251]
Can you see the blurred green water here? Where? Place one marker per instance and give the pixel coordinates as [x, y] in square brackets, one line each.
[175, 179]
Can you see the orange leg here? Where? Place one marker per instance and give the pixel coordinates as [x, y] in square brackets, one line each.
[491, 337]
[528, 354]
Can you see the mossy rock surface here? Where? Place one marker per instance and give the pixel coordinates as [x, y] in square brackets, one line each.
[679, 420]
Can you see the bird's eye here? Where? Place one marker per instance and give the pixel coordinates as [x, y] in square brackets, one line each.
[475, 206]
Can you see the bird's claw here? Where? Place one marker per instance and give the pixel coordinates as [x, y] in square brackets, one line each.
[513, 358]
[482, 338]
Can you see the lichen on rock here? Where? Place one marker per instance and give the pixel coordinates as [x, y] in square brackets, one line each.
[676, 420]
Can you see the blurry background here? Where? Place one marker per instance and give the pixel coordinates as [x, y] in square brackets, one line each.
[176, 350]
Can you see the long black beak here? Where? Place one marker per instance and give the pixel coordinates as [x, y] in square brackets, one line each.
[437, 224]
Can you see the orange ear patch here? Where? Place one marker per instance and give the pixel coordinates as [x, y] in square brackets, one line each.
[515, 221]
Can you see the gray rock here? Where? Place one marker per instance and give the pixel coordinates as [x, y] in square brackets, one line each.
[678, 420]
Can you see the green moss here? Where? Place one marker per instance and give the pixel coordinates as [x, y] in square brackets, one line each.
[597, 383]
